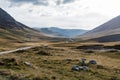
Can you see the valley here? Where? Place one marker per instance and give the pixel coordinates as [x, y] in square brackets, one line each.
[59, 32]
[57, 53]
[55, 60]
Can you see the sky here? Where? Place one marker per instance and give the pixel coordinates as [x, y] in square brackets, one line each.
[72, 14]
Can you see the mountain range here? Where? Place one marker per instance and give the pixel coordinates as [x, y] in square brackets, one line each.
[11, 29]
[109, 31]
[59, 32]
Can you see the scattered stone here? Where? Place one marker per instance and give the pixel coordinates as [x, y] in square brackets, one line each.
[27, 63]
[92, 62]
[75, 68]
[30, 65]
[83, 62]
[78, 68]
[84, 68]
[83, 65]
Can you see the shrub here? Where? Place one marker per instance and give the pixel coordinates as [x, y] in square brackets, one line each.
[43, 53]
[89, 51]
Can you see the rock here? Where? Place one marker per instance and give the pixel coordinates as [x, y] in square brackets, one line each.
[92, 62]
[75, 68]
[78, 68]
[27, 63]
[84, 68]
[83, 62]
[30, 65]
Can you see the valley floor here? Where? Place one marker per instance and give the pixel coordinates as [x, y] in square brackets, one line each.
[54, 61]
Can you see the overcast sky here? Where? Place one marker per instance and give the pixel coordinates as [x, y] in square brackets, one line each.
[74, 14]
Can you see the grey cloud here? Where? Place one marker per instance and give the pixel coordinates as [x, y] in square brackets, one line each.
[67, 1]
[38, 2]
[34, 2]
[30, 10]
[59, 2]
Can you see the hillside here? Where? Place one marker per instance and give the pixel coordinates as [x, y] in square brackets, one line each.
[109, 28]
[69, 33]
[10, 29]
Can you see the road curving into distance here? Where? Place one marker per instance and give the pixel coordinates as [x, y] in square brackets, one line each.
[10, 51]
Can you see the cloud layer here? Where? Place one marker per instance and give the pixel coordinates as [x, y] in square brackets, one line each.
[39, 2]
[84, 14]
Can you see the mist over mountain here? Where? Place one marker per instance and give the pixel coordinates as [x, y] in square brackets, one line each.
[55, 31]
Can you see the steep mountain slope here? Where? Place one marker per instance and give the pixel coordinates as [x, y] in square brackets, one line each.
[109, 28]
[11, 29]
[54, 31]
[109, 38]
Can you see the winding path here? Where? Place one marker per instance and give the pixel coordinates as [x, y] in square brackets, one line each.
[10, 51]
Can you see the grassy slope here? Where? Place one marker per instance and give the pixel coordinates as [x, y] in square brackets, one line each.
[8, 37]
[55, 66]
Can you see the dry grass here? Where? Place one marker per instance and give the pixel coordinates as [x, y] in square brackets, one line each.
[57, 65]
[6, 45]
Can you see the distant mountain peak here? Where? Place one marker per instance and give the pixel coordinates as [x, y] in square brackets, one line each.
[56, 31]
